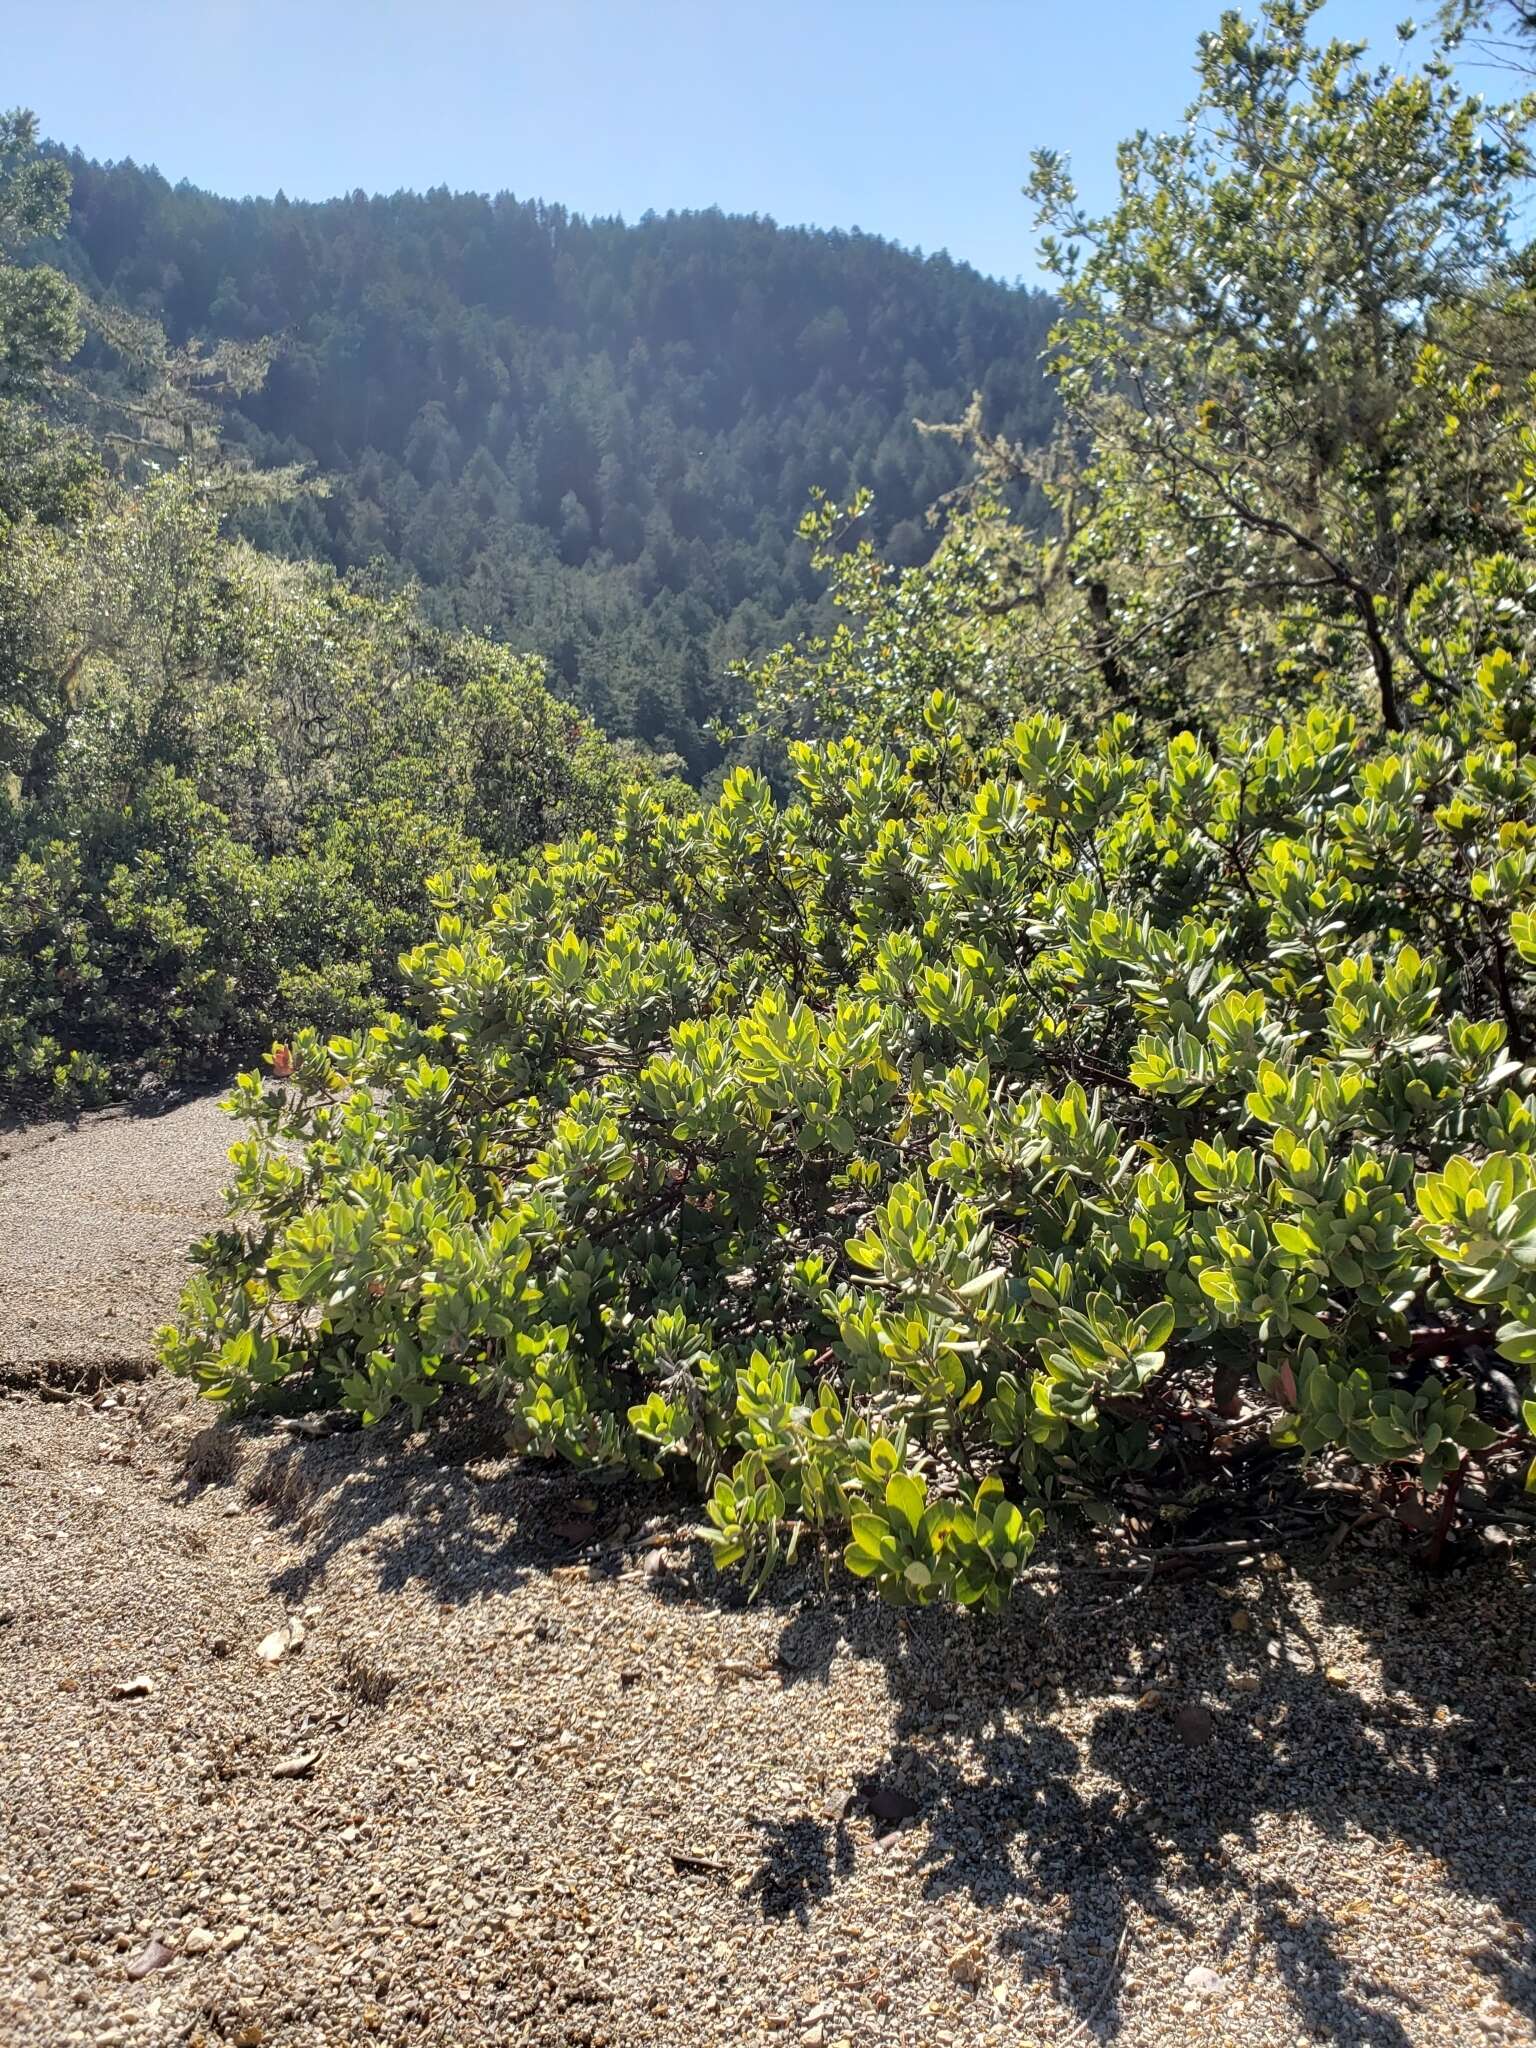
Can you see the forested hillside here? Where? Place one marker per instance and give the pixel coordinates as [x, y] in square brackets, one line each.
[591, 440]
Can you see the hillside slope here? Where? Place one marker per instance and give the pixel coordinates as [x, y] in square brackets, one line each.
[592, 440]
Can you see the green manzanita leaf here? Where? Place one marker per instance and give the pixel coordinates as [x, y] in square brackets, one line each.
[907, 1496]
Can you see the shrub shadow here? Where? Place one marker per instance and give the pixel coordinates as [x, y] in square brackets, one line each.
[444, 1509]
[1043, 1750]
[1102, 1793]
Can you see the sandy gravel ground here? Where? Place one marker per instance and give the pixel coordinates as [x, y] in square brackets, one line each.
[534, 1776]
[95, 1219]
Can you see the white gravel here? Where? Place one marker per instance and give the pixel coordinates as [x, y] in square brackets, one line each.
[546, 1785]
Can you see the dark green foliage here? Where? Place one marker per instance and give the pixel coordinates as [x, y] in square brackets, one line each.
[1295, 351]
[41, 470]
[221, 829]
[39, 311]
[590, 440]
[222, 781]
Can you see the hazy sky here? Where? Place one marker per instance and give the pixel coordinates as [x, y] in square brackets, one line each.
[910, 118]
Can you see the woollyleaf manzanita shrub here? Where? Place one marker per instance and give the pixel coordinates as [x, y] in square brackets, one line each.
[905, 1159]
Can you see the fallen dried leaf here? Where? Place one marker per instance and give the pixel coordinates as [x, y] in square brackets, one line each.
[298, 1766]
[691, 1859]
[154, 1955]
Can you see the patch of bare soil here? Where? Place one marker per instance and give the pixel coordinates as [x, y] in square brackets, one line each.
[517, 1768]
[95, 1219]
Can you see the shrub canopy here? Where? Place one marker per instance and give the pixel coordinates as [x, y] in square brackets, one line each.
[906, 1157]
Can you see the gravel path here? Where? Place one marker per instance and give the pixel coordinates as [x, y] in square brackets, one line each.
[534, 1776]
[95, 1219]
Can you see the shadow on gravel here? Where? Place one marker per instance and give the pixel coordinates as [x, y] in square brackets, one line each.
[799, 1860]
[447, 1510]
[152, 1098]
[1151, 1802]
[1027, 1746]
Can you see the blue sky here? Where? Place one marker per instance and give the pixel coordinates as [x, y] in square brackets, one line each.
[909, 118]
